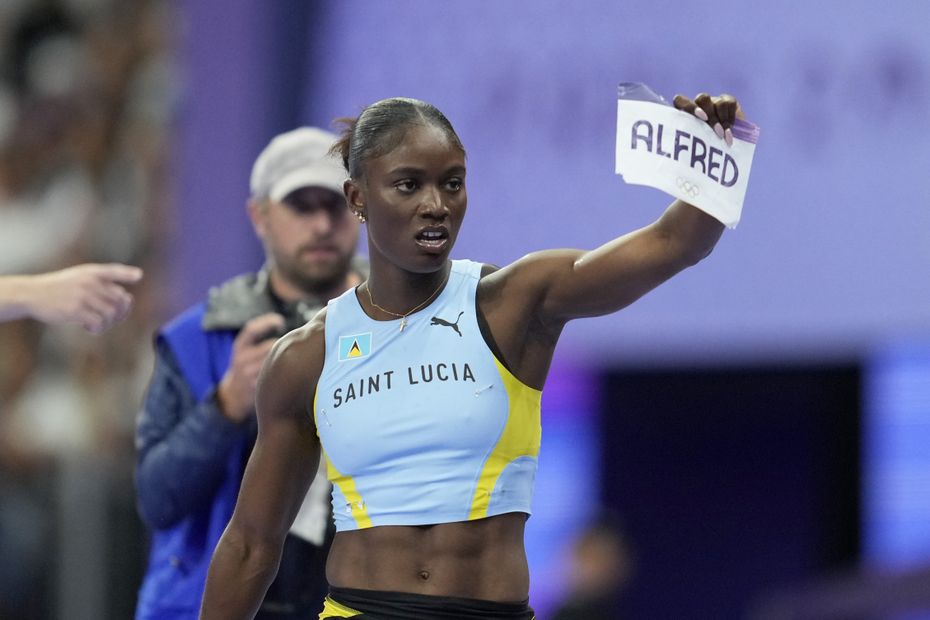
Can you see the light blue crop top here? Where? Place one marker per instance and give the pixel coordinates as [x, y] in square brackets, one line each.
[423, 425]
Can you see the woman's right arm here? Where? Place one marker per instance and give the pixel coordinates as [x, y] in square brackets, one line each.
[281, 468]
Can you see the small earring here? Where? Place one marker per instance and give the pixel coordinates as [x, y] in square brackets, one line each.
[361, 218]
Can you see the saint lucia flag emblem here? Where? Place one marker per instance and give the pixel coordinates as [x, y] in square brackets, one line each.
[354, 347]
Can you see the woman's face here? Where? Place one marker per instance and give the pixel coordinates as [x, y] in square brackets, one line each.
[414, 200]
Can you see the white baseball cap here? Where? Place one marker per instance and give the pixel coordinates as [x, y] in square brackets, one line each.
[296, 159]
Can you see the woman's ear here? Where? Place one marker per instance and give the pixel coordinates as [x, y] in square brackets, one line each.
[355, 199]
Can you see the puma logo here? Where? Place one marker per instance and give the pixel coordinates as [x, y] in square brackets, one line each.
[437, 321]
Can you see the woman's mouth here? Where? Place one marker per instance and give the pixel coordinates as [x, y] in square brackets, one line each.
[433, 239]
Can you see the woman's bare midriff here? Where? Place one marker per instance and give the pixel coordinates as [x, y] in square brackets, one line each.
[483, 559]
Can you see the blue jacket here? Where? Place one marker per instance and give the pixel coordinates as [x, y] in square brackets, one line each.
[191, 458]
[202, 465]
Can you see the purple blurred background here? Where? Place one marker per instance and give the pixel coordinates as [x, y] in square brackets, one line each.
[827, 272]
[757, 428]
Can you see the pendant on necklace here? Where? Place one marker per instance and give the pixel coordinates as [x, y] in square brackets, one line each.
[403, 323]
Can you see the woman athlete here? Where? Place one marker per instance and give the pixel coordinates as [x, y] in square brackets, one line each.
[421, 387]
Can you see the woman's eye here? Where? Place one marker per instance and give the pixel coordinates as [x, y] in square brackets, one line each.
[454, 185]
[406, 186]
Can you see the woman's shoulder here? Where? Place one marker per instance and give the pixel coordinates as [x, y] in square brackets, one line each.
[301, 350]
[295, 362]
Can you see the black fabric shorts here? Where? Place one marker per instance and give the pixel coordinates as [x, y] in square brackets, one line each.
[377, 605]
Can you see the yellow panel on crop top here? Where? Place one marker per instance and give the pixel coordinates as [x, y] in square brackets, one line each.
[423, 425]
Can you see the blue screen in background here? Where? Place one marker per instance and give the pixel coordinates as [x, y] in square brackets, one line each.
[896, 457]
[567, 483]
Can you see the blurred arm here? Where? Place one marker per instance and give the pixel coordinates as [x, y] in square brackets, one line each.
[92, 295]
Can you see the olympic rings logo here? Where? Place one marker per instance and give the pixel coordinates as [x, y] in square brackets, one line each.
[688, 187]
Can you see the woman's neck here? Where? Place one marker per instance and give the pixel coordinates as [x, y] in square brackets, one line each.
[396, 292]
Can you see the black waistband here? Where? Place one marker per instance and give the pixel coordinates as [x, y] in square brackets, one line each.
[406, 606]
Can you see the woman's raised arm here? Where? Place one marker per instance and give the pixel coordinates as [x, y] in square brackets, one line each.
[560, 285]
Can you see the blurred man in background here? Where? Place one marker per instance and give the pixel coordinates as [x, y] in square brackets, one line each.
[197, 425]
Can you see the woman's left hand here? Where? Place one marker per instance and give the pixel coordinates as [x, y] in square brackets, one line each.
[718, 112]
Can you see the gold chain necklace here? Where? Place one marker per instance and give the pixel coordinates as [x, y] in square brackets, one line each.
[403, 317]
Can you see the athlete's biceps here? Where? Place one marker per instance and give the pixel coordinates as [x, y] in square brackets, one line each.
[562, 284]
[543, 273]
